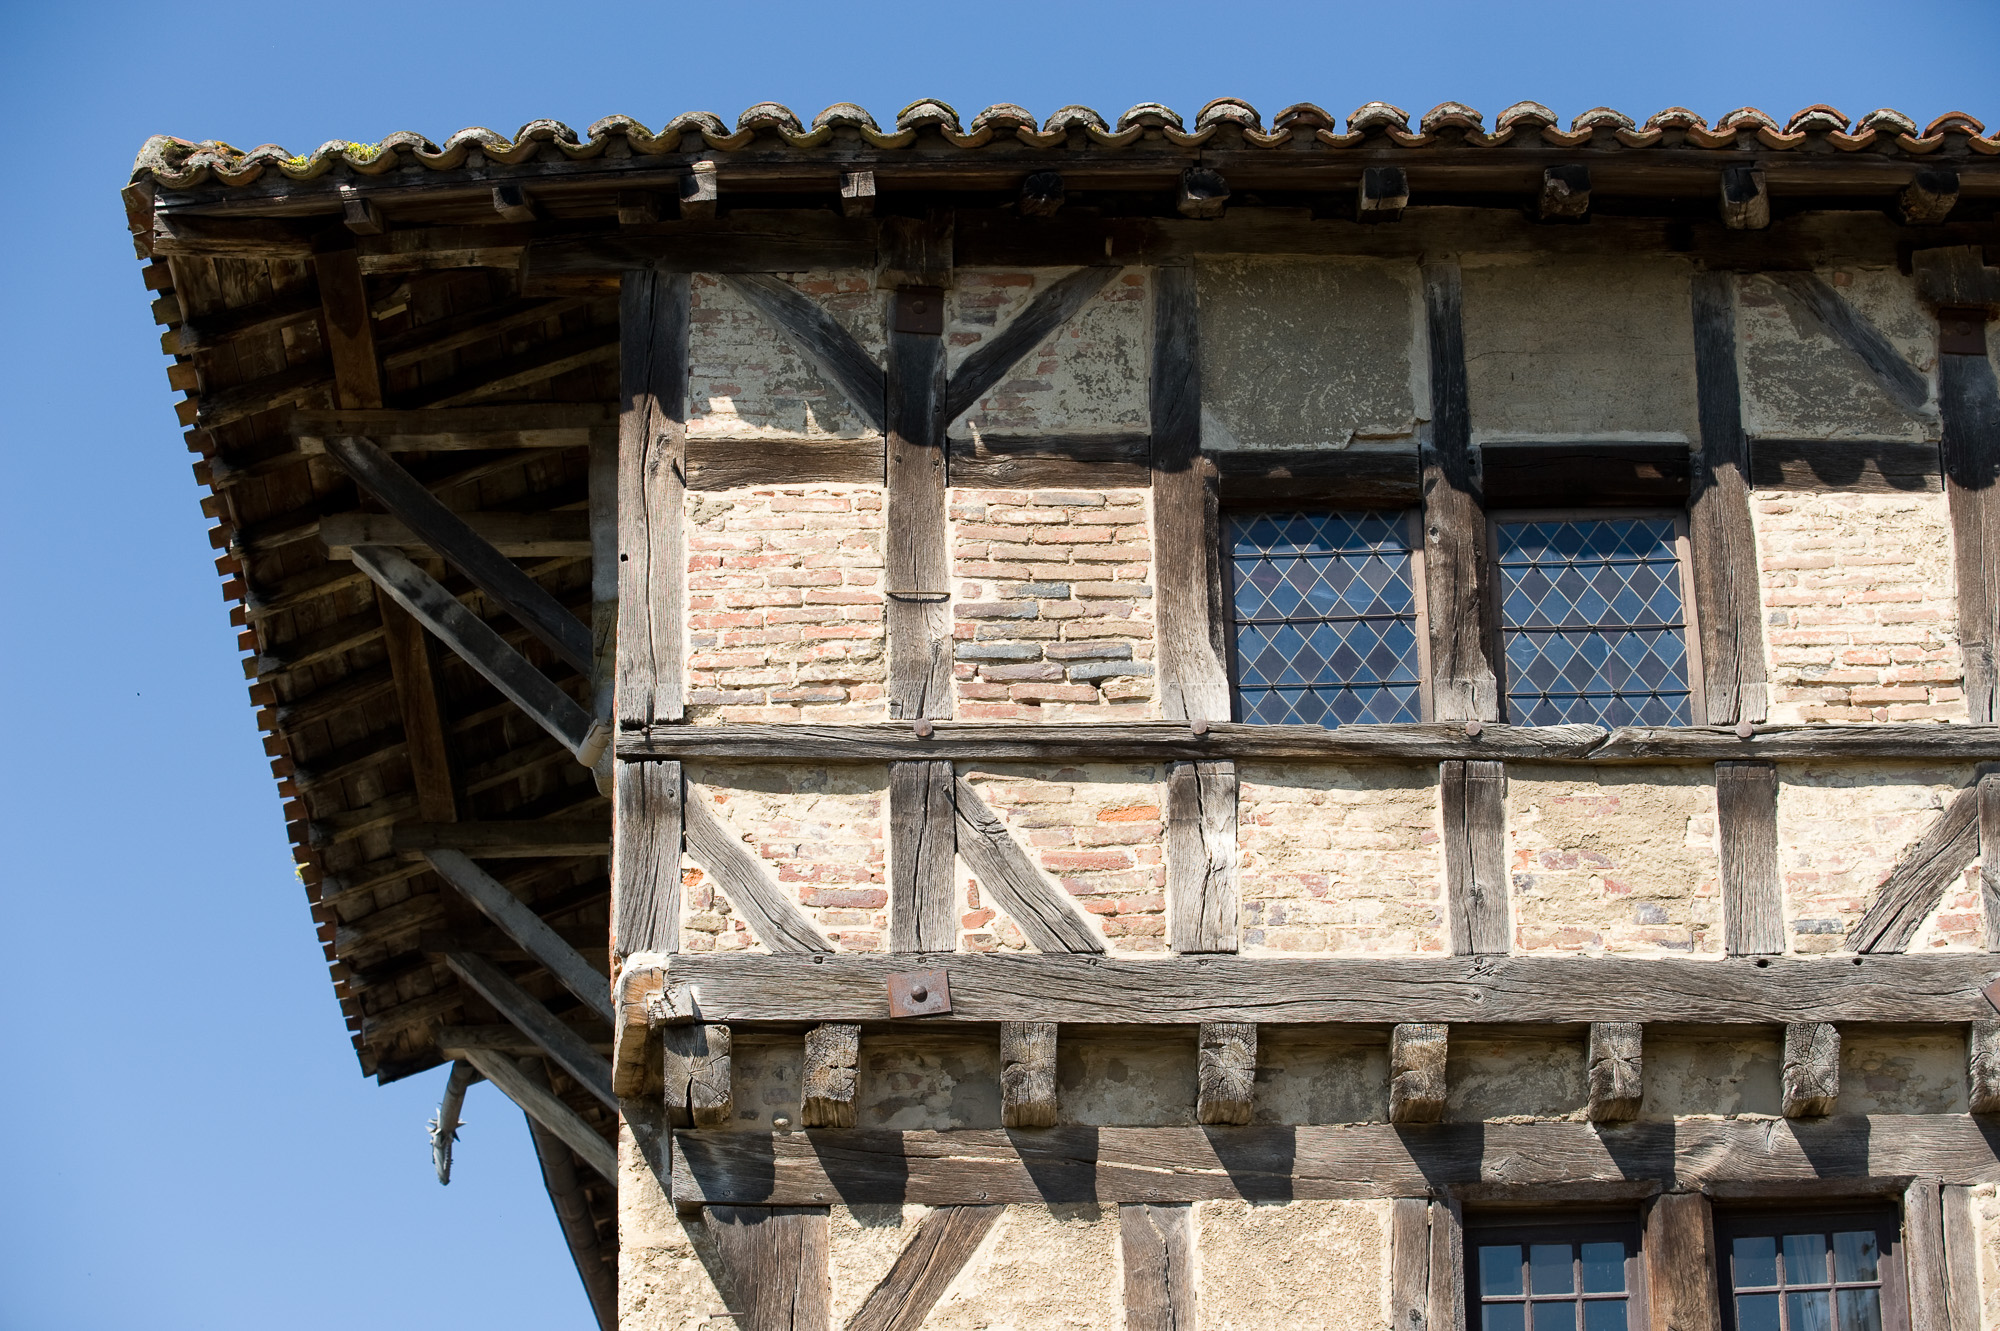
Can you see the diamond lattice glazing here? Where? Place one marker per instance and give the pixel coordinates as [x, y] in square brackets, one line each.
[1592, 622]
[1325, 618]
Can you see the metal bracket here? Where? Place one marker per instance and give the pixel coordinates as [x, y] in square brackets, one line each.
[1962, 332]
[917, 310]
[925, 993]
[1992, 992]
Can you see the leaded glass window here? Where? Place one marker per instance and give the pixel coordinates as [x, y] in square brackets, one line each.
[1325, 618]
[1555, 1277]
[1812, 1273]
[1593, 621]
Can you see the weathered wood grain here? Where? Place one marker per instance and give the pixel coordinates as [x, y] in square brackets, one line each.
[1721, 539]
[746, 241]
[1011, 878]
[1811, 1073]
[515, 535]
[1584, 475]
[1982, 1066]
[1052, 462]
[1746, 813]
[915, 564]
[1349, 478]
[1417, 1082]
[733, 464]
[1860, 466]
[414, 668]
[775, 1265]
[1464, 686]
[695, 1065]
[1447, 1292]
[1201, 857]
[646, 859]
[1810, 293]
[348, 330]
[525, 425]
[819, 337]
[449, 535]
[1924, 1265]
[637, 996]
[991, 361]
[1331, 1162]
[1961, 1257]
[522, 839]
[1956, 275]
[1193, 681]
[1989, 856]
[826, 1082]
[1409, 1264]
[1028, 1074]
[1159, 741]
[1745, 199]
[1680, 1258]
[1156, 1246]
[773, 914]
[553, 1036]
[932, 1258]
[521, 924]
[572, 1207]
[1969, 402]
[652, 439]
[923, 841]
[1922, 873]
[1225, 1072]
[539, 364]
[541, 1105]
[1473, 801]
[1616, 1075]
[1092, 989]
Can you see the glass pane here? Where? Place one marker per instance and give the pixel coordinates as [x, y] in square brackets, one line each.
[1604, 1315]
[1808, 1310]
[1499, 1268]
[1805, 1259]
[1603, 1267]
[1757, 1312]
[1504, 1317]
[1554, 1316]
[1756, 1263]
[1854, 1255]
[1860, 1310]
[1549, 1269]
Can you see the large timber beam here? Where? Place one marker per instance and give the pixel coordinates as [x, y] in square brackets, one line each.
[1879, 1153]
[853, 987]
[525, 927]
[1917, 884]
[565, 1189]
[541, 1104]
[553, 1036]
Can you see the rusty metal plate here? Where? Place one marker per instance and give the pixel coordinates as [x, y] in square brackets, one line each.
[1962, 332]
[918, 310]
[1992, 992]
[919, 993]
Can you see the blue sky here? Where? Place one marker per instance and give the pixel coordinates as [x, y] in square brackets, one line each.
[189, 1142]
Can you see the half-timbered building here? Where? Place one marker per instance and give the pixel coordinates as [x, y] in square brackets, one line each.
[1351, 724]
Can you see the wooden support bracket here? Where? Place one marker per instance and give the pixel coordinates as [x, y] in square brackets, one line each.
[1616, 1070]
[1811, 1074]
[1226, 1072]
[1417, 1085]
[1028, 1074]
[826, 1085]
[541, 1105]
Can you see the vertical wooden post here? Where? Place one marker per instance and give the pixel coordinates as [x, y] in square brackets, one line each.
[1201, 857]
[776, 1261]
[349, 331]
[923, 842]
[1409, 1264]
[1473, 800]
[1989, 857]
[1969, 401]
[916, 565]
[603, 577]
[1753, 899]
[1961, 1257]
[1924, 1256]
[652, 444]
[1680, 1264]
[1982, 1067]
[1194, 683]
[1157, 1243]
[1463, 684]
[1722, 540]
[646, 841]
[1447, 1292]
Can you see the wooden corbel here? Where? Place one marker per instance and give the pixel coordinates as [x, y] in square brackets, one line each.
[644, 999]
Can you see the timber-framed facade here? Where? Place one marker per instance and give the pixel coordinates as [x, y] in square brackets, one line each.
[1368, 724]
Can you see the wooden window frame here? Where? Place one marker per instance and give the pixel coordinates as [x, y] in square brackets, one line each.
[1683, 556]
[1413, 528]
[1558, 1224]
[1886, 1220]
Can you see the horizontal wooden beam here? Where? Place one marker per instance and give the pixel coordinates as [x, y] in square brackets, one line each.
[515, 535]
[732, 464]
[1052, 462]
[506, 840]
[520, 923]
[450, 429]
[541, 1104]
[1155, 741]
[1333, 1162]
[551, 1035]
[853, 987]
